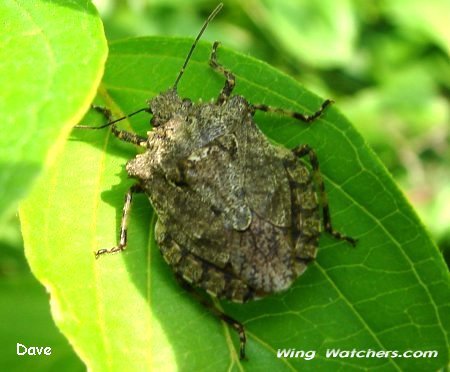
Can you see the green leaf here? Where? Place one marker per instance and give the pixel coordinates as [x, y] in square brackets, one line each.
[127, 311]
[52, 58]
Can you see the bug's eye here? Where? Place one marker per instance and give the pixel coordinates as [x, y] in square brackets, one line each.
[155, 122]
[160, 119]
[186, 102]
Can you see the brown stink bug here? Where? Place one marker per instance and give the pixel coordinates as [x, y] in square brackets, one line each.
[237, 216]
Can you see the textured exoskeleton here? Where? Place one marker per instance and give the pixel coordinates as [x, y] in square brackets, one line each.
[237, 216]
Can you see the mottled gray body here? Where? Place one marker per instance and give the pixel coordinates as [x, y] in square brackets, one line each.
[237, 216]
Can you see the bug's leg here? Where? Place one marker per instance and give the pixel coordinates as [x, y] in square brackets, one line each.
[209, 305]
[304, 150]
[293, 114]
[129, 136]
[120, 134]
[230, 79]
[123, 224]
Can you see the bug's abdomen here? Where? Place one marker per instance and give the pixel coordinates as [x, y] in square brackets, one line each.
[263, 263]
[305, 211]
[218, 282]
[261, 260]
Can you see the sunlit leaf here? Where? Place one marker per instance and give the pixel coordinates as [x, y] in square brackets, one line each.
[52, 57]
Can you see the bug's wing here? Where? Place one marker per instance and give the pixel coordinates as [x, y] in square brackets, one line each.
[213, 173]
[266, 183]
[206, 208]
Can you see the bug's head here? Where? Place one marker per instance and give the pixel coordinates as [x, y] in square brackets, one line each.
[167, 105]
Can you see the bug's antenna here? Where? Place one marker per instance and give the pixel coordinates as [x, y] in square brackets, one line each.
[210, 17]
[111, 122]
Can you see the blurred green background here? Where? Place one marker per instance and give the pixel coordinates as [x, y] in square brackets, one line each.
[385, 63]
